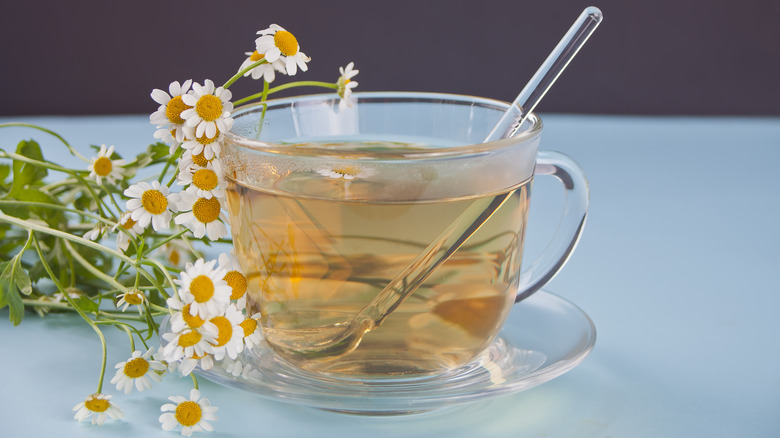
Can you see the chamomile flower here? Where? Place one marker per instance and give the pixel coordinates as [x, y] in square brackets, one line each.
[168, 116]
[192, 414]
[203, 286]
[96, 232]
[104, 167]
[151, 203]
[234, 278]
[183, 319]
[139, 370]
[177, 253]
[189, 159]
[253, 334]
[202, 143]
[267, 70]
[132, 297]
[203, 216]
[230, 335]
[346, 84]
[172, 137]
[210, 109]
[187, 343]
[131, 229]
[346, 172]
[204, 182]
[188, 364]
[278, 44]
[97, 406]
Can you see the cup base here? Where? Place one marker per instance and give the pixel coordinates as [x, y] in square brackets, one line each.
[544, 337]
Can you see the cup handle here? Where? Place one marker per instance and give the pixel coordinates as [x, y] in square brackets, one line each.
[575, 209]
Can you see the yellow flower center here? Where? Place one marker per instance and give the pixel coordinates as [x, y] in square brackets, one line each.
[202, 288]
[102, 166]
[256, 56]
[237, 281]
[189, 339]
[174, 108]
[225, 330]
[188, 413]
[133, 297]
[129, 223]
[209, 107]
[205, 140]
[95, 404]
[190, 319]
[249, 325]
[154, 201]
[206, 210]
[205, 179]
[136, 368]
[200, 159]
[286, 42]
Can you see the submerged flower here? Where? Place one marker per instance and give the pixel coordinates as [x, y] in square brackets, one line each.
[138, 370]
[267, 70]
[209, 111]
[104, 167]
[275, 43]
[192, 414]
[203, 216]
[151, 203]
[97, 406]
[346, 172]
[346, 84]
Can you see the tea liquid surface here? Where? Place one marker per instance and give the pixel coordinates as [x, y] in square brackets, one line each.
[315, 261]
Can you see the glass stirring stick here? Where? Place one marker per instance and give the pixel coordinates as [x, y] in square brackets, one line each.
[341, 338]
[548, 72]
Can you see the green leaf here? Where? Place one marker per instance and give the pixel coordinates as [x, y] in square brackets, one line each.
[9, 296]
[22, 278]
[86, 304]
[26, 174]
[159, 151]
[51, 216]
[5, 170]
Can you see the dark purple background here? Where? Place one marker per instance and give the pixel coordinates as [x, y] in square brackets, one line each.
[648, 57]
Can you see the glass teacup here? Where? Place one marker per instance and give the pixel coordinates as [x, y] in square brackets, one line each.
[329, 204]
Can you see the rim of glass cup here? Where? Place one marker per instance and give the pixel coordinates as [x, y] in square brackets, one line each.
[533, 122]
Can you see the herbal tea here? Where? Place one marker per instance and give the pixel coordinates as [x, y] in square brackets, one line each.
[317, 259]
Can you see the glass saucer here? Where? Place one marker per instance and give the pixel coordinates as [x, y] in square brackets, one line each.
[544, 337]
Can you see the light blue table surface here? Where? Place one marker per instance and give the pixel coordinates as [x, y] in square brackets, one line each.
[678, 267]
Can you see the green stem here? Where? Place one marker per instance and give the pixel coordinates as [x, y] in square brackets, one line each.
[194, 381]
[286, 86]
[78, 310]
[163, 242]
[95, 271]
[80, 240]
[59, 137]
[238, 75]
